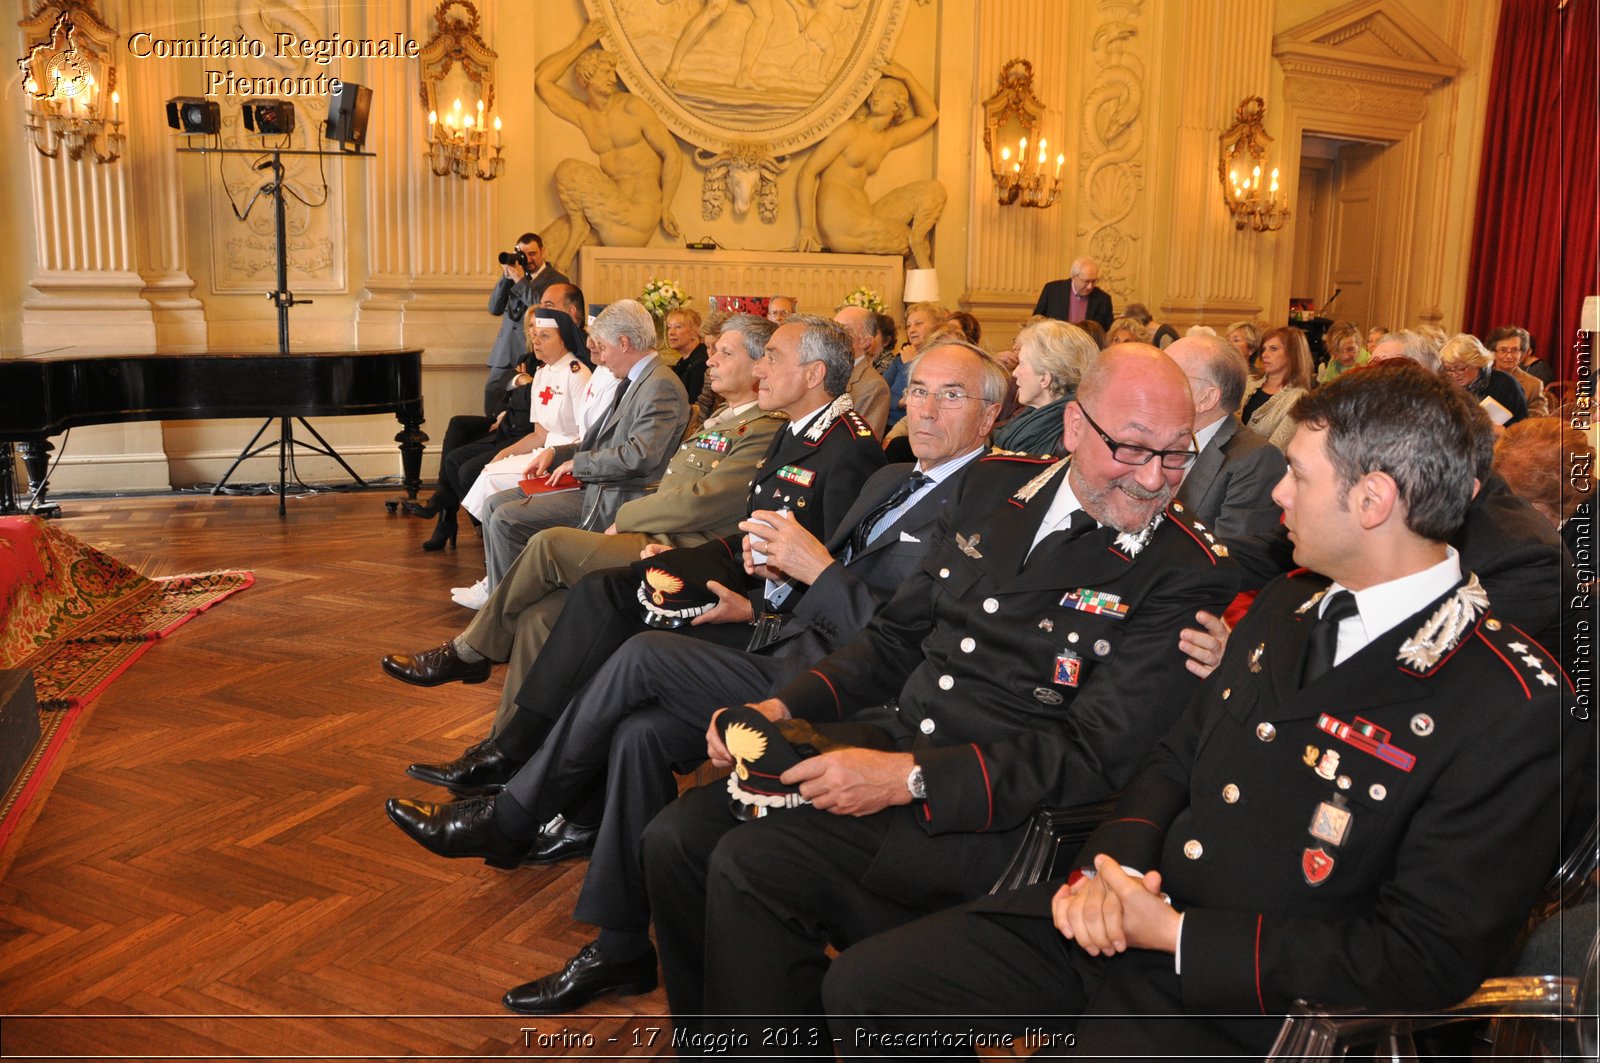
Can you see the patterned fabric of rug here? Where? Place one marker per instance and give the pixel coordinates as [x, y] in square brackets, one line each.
[79, 617]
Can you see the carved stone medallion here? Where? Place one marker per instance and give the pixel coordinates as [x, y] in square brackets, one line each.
[726, 75]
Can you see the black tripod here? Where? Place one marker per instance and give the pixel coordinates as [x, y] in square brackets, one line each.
[283, 299]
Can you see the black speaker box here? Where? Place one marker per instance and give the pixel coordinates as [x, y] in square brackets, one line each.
[348, 107]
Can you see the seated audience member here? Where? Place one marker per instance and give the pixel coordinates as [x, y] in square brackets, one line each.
[606, 768]
[1127, 330]
[968, 326]
[779, 307]
[555, 396]
[1343, 340]
[921, 321]
[1246, 339]
[1095, 333]
[1550, 465]
[1407, 344]
[1356, 809]
[1161, 333]
[1374, 334]
[1285, 376]
[868, 390]
[708, 399]
[1078, 297]
[1467, 362]
[884, 352]
[538, 405]
[568, 298]
[1509, 345]
[1030, 658]
[621, 457]
[1052, 357]
[1228, 489]
[683, 336]
[1532, 363]
[1514, 552]
[819, 459]
[1199, 330]
[885, 346]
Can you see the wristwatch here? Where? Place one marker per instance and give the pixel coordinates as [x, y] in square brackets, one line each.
[916, 784]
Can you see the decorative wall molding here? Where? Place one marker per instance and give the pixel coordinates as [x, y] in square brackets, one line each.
[1111, 145]
[1370, 39]
[819, 281]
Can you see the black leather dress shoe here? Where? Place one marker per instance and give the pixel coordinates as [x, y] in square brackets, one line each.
[436, 666]
[586, 976]
[461, 828]
[560, 840]
[482, 770]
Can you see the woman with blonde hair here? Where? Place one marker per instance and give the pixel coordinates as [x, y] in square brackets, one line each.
[1127, 330]
[1468, 362]
[1285, 376]
[1052, 358]
[1345, 352]
[1246, 339]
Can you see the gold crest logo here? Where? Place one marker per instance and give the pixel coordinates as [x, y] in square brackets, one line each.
[746, 745]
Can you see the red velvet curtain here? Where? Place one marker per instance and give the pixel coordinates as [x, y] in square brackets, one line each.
[1535, 248]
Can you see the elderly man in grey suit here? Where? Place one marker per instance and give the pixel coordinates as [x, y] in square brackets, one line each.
[1229, 487]
[620, 458]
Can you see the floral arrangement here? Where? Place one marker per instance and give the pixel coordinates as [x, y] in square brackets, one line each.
[660, 297]
[866, 297]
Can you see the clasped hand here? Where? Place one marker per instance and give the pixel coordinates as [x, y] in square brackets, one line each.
[1113, 911]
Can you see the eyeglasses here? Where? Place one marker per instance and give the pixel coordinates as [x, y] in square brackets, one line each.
[1134, 454]
[947, 399]
[1509, 350]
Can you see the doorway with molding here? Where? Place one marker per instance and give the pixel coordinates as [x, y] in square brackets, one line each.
[1341, 242]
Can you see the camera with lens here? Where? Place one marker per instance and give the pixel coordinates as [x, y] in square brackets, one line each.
[518, 256]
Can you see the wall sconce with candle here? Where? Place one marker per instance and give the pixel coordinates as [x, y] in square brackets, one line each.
[457, 65]
[1019, 159]
[72, 100]
[1249, 182]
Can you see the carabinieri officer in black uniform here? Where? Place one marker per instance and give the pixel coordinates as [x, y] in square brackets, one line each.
[1357, 809]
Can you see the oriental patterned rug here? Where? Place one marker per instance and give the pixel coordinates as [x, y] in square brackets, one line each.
[78, 618]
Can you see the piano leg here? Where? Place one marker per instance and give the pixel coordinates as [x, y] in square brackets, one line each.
[36, 459]
[411, 439]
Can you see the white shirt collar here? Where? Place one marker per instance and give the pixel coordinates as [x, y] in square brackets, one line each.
[642, 366]
[1204, 436]
[1384, 606]
[950, 466]
[799, 424]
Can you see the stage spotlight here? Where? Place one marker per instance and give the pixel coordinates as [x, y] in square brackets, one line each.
[266, 117]
[194, 115]
[348, 106]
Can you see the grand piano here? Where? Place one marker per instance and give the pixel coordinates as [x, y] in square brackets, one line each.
[43, 394]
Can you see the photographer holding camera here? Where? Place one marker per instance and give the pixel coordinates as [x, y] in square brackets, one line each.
[525, 276]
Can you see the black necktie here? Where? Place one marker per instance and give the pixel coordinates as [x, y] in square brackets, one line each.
[869, 524]
[1323, 645]
[1079, 523]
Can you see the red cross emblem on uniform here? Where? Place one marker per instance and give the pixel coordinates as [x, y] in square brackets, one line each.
[546, 395]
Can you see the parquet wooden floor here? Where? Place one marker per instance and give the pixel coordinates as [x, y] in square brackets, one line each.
[210, 871]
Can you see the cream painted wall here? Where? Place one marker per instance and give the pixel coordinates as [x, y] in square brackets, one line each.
[1136, 90]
